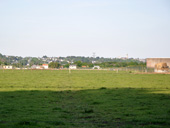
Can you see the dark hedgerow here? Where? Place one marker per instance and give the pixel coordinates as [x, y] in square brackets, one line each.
[103, 88]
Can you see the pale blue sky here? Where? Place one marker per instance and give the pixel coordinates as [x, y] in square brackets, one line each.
[110, 28]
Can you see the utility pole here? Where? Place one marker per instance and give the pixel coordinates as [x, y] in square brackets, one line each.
[69, 70]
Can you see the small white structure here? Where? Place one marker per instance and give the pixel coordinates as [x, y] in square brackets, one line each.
[7, 67]
[36, 67]
[93, 62]
[39, 67]
[33, 66]
[96, 67]
[72, 67]
[45, 66]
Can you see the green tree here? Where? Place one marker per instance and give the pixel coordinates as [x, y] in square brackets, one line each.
[78, 63]
[23, 62]
[54, 65]
[66, 65]
[18, 65]
[6, 63]
[91, 65]
[44, 56]
[35, 61]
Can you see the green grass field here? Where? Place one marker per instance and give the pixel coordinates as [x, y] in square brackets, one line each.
[83, 99]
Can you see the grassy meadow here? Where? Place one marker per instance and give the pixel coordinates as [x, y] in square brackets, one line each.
[83, 99]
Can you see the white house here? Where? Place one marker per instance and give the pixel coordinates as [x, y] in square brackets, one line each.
[45, 66]
[72, 67]
[7, 67]
[39, 67]
[96, 67]
[93, 62]
[36, 67]
[33, 66]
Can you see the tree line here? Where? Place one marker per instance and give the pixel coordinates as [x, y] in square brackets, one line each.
[80, 64]
[20, 62]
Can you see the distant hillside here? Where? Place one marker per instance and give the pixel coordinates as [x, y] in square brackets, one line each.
[88, 61]
[4, 59]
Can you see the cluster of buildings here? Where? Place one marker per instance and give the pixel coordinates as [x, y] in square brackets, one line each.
[75, 67]
[159, 64]
[7, 67]
[43, 66]
[50, 59]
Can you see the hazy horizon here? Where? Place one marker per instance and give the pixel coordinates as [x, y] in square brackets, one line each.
[109, 28]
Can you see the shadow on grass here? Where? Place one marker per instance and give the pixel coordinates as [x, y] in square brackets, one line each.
[124, 107]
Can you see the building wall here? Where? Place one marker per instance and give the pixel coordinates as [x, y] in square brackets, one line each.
[45, 66]
[7, 67]
[151, 62]
[98, 67]
[73, 67]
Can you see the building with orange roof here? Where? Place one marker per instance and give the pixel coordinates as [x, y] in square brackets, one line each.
[45, 66]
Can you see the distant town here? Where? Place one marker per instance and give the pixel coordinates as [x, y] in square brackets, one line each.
[65, 62]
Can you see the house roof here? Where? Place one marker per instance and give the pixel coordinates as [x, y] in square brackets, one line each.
[44, 64]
